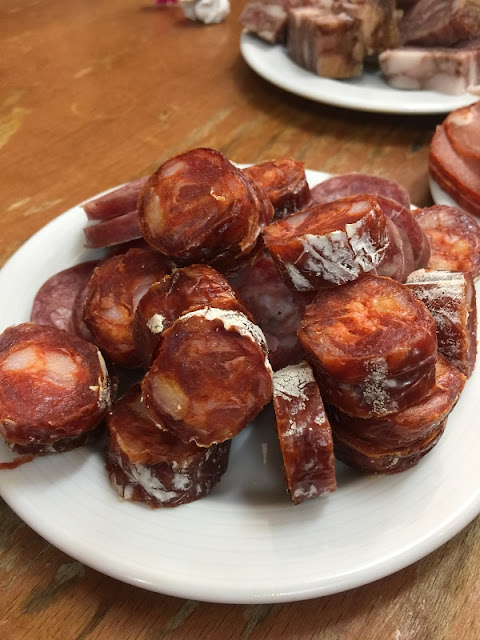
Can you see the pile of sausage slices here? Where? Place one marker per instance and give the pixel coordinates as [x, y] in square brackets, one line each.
[225, 289]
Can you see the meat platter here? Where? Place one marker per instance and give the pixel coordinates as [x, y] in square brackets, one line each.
[366, 93]
[245, 542]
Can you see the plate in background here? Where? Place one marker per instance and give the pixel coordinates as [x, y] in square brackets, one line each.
[366, 93]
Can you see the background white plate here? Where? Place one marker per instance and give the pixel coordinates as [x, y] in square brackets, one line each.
[246, 542]
[367, 93]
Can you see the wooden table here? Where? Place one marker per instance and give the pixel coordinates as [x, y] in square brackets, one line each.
[93, 94]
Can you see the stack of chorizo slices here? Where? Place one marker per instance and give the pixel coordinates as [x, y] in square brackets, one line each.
[240, 288]
[454, 158]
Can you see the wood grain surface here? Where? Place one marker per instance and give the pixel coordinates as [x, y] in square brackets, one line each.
[99, 92]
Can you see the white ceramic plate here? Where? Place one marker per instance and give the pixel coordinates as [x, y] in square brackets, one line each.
[246, 542]
[367, 93]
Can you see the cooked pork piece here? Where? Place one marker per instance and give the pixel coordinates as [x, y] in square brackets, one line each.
[266, 18]
[440, 22]
[453, 71]
[331, 45]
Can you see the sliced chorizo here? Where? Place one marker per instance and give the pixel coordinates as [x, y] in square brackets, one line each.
[372, 345]
[284, 182]
[54, 388]
[329, 244]
[277, 308]
[352, 184]
[116, 203]
[410, 229]
[150, 465]
[55, 302]
[393, 198]
[198, 207]
[210, 378]
[110, 233]
[404, 429]
[304, 433]
[454, 237]
[111, 297]
[451, 299]
[462, 129]
[397, 261]
[458, 176]
[184, 290]
[370, 459]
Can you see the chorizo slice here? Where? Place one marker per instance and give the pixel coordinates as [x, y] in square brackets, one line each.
[54, 388]
[409, 227]
[117, 202]
[410, 426]
[369, 459]
[276, 308]
[329, 244]
[392, 197]
[353, 184]
[198, 207]
[150, 465]
[451, 299]
[110, 233]
[304, 433]
[397, 261]
[55, 302]
[111, 297]
[184, 290]
[210, 378]
[457, 175]
[284, 182]
[462, 129]
[454, 237]
[372, 345]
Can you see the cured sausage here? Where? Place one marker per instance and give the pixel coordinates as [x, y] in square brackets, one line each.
[329, 244]
[284, 182]
[184, 290]
[457, 175]
[148, 464]
[111, 297]
[397, 261]
[454, 237]
[392, 197]
[112, 232]
[198, 207]
[210, 377]
[54, 303]
[409, 227]
[275, 307]
[372, 346]
[370, 459]
[304, 433]
[54, 389]
[450, 297]
[117, 202]
[353, 184]
[410, 426]
[461, 127]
